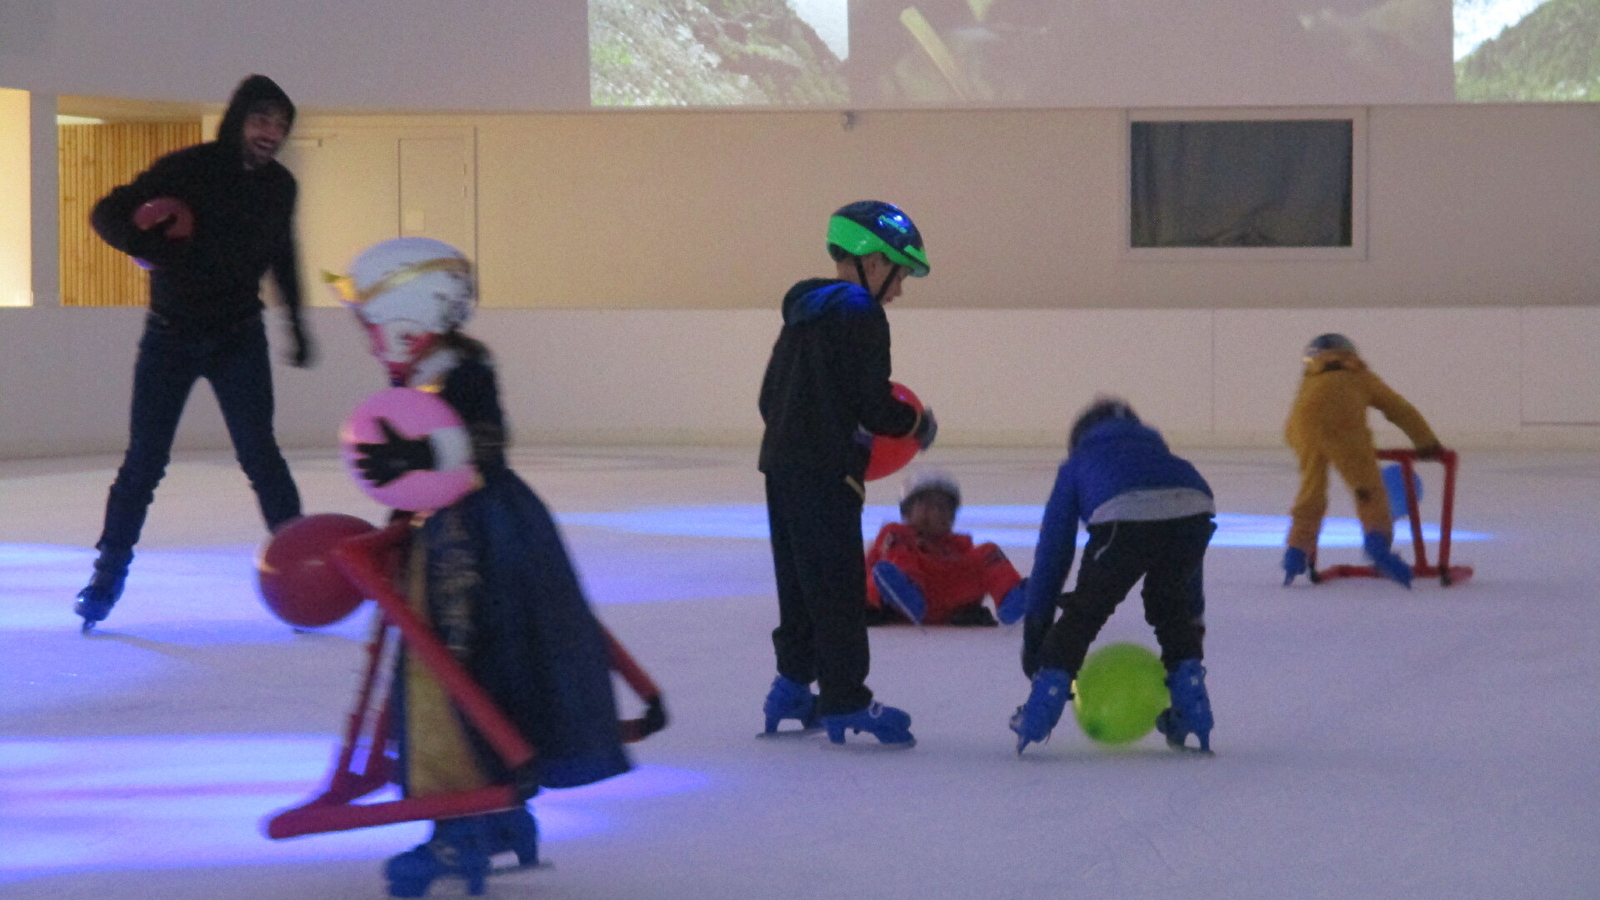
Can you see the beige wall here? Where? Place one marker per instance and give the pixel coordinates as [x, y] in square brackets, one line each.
[1466, 206]
[653, 249]
[16, 192]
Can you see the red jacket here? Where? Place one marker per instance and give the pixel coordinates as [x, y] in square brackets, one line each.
[952, 572]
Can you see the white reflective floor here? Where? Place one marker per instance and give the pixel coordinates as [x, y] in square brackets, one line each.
[1371, 742]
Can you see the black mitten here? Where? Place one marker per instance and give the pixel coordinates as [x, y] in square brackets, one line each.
[397, 455]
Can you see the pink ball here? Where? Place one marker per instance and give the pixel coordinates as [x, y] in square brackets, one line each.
[414, 414]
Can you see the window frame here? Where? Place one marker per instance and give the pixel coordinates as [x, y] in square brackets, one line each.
[1357, 251]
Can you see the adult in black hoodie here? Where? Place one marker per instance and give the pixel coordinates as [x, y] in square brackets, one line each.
[205, 318]
[825, 393]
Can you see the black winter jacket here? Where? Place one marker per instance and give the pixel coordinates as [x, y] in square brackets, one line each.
[243, 225]
[826, 389]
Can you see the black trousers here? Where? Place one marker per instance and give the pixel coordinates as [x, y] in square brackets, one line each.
[1169, 554]
[820, 565]
[236, 363]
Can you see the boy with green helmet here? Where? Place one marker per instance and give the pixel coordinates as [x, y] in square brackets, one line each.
[825, 394]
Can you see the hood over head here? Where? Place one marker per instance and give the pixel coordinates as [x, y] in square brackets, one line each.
[251, 94]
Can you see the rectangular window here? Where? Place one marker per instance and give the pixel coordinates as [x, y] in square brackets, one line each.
[1267, 186]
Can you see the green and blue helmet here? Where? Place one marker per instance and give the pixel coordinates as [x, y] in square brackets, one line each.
[871, 226]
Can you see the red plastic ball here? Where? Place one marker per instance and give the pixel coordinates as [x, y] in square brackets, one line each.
[176, 213]
[890, 454]
[298, 580]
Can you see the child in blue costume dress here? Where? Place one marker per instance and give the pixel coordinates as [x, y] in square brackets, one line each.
[495, 580]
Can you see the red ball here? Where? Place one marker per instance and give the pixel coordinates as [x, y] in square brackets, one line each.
[176, 213]
[298, 580]
[890, 454]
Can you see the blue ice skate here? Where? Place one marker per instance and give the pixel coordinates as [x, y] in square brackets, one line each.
[1034, 720]
[1294, 565]
[459, 848]
[1190, 712]
[514, 831]
[1384, 559]
[94, 602]
[899, 591]
[887, 724]
[1014, 604]
[789, 699]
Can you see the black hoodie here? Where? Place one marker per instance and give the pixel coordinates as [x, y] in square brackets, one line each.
[826, 390]
[243, 224]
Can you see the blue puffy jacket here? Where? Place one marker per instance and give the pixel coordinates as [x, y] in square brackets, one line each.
[1115, 458]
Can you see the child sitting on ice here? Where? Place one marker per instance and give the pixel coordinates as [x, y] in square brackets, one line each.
[920, 570]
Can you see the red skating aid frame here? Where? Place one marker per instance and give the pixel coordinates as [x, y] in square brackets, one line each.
[362, 559]
[1446, 573]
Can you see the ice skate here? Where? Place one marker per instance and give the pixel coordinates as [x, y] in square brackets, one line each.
[1034, 720]
[1190, 712]
[1294, 565]
[1384, 560]
[887, 724]
[458, 849]
[900, 592]
[94, 602]
[514, 831]
[789, 699]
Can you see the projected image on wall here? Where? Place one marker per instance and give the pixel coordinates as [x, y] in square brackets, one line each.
[1509, 50]
[718, 52]
[1149, 52]
[877, 54]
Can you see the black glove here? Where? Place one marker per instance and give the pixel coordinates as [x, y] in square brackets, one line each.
[397, 455]
[304, 352]
[927, 429]
[655, 716]
[1035, 625]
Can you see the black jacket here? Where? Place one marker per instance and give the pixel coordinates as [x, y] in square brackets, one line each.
[243, 224]
[826, 389]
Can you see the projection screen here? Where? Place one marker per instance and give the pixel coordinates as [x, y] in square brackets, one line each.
[895, 54]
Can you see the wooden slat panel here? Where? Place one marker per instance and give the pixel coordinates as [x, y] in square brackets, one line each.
[94, 159]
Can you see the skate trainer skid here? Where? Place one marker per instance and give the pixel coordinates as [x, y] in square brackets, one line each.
[1446, 573]
[363, 560]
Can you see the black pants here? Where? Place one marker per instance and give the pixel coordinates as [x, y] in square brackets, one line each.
[1169, 555]
[820, 566]
[235, 361]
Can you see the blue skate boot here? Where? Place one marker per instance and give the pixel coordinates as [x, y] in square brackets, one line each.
[514, 831]
[887, 724]
[1384, 559]
[459, 848]
[1190, 712]
[1294, 565]
[94, 602]
[789, 699]
[1034, 720]
[899, 591]
[1014, 604]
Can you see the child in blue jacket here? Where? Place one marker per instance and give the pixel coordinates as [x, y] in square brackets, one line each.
[1149, 515]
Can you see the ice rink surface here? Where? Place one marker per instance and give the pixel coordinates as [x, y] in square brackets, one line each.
[1371, 742]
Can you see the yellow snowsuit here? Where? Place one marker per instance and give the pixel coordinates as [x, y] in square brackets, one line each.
[1328, 425]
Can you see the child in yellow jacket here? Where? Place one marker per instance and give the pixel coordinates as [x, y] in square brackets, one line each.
[1328, 426]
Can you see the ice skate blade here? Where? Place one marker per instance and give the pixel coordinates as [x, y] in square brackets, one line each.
[512, 866]
[872, 746]
[788, 733]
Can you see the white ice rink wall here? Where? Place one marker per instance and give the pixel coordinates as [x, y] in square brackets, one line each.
[1503, 377]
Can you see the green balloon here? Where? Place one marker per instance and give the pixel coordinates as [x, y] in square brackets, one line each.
[1119, 692]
